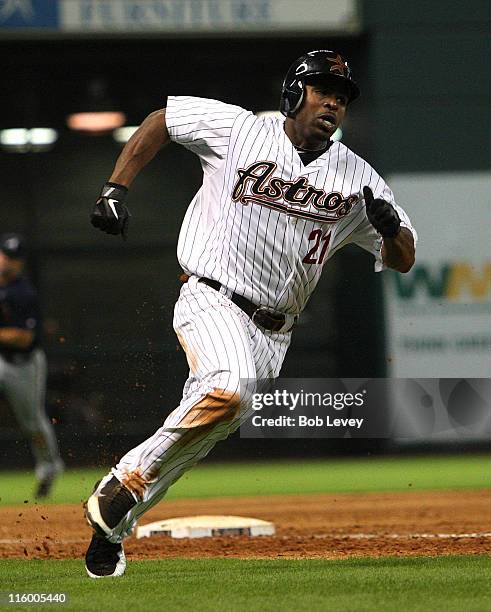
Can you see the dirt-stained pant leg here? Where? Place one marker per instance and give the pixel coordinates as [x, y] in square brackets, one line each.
[222, 347]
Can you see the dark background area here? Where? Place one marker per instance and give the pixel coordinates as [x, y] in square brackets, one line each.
[116, 368]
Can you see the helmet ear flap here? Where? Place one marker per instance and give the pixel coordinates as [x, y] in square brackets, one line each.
[292, 98]
[299, 97]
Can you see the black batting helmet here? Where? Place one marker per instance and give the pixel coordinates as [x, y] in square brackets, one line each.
[321, 62]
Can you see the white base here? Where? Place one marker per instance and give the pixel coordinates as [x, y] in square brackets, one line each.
[206, 527]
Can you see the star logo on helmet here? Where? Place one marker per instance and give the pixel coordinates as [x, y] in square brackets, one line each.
[337, 65]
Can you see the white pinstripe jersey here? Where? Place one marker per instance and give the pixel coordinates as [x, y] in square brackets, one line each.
[262, 223]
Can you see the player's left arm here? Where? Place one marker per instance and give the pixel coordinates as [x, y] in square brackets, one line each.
[398, 252]
[398, 248]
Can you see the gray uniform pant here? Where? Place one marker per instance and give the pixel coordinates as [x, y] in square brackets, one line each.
[24, 386]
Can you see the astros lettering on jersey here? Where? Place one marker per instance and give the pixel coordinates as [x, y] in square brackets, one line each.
[263, 224]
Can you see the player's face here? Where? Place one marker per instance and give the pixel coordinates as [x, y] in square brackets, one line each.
[9, 268]
[322, 111]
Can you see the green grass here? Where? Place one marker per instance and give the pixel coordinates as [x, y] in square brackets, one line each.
[287, 477]
[386, 584]
[232, 585]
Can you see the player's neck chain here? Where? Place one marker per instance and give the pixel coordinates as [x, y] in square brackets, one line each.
[309, 155]
[320, 151]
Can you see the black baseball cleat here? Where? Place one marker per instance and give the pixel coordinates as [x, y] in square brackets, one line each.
[104, 559]
[108, 505]
[45, 482]
[44, 487]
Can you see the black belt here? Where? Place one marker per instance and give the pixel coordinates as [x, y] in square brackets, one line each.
[271, 321]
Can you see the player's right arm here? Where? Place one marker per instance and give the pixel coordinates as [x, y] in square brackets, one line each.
[110, 213]
[201, 125]
[16, 337]
[141, 148]
[19, 319]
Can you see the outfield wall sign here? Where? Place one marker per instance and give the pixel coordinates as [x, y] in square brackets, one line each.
[439, 314]
[177, 16]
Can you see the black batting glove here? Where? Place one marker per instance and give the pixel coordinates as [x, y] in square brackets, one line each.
[110, 213]
[382, 215]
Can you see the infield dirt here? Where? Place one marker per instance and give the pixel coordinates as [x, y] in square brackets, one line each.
[315, 526]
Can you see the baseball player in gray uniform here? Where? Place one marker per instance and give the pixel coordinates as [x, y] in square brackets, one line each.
[278, 199]
[23, 362]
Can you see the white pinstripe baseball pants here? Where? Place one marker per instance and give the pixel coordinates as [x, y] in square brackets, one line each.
[222, 347]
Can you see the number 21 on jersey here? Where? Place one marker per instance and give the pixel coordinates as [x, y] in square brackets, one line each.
[318, 250]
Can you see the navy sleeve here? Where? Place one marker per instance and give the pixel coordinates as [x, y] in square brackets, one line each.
[27, 313]
[20, 307]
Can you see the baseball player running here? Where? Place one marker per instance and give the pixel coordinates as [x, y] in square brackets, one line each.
[278, 199]
[23, 362]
